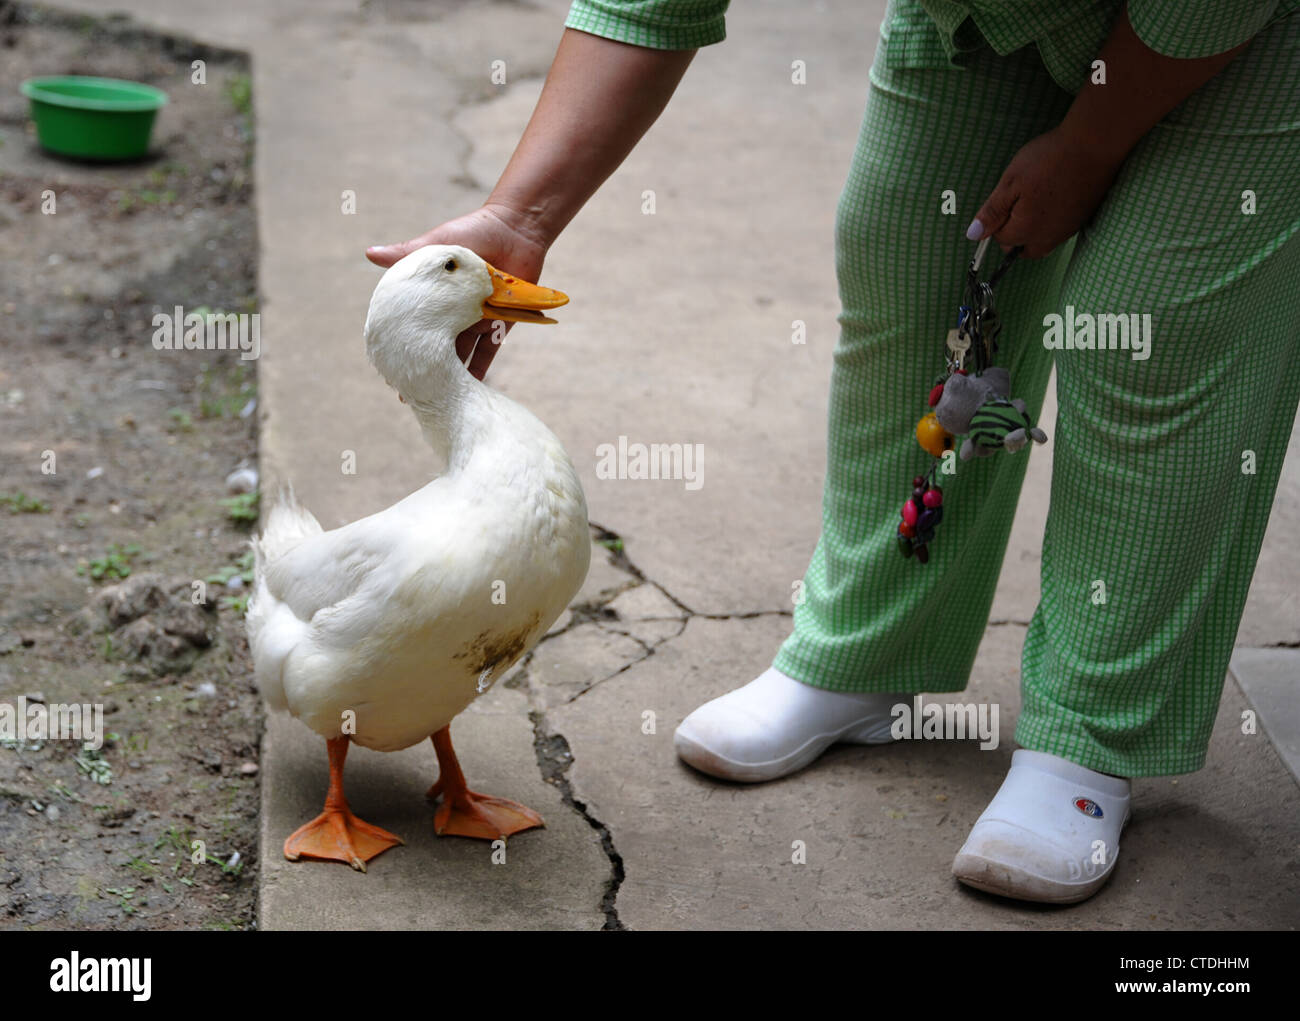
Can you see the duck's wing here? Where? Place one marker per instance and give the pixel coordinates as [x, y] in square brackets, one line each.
[331, 569]
[333, 589]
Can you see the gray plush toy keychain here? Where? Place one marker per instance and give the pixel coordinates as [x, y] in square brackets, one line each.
[972, 398]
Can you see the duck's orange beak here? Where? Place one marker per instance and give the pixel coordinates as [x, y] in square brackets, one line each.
[518, 301]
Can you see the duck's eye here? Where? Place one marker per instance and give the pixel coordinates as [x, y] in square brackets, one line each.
[449, 265]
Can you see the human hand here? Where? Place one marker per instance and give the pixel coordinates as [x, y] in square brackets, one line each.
[1050, 189]
[493, 233]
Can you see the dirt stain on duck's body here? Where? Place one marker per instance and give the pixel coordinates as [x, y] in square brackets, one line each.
[491, 649]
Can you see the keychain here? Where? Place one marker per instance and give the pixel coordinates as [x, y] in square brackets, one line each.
[971, 398]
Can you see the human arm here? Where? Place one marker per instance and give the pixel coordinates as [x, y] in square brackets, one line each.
[599, 99]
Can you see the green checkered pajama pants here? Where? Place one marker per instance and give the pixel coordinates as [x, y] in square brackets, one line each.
[1164, 468]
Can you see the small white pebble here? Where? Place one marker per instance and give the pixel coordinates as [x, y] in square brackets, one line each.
[95, 472]
[242, 480]
[207, 689]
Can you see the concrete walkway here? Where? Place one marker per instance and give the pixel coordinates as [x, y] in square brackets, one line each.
[678, 331]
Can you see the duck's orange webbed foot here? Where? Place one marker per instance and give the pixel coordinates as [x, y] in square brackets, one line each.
[336, 834]
[466, 813]
[483, 816]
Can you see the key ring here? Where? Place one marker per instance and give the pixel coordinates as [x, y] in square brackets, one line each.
[980, 318]
[975, 402]
[1005, 265]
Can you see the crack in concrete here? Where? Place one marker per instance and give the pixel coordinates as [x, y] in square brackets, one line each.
[648, 651]
[554, 759]
[554, 756]
[600, 612]
[472, 95]
[613, 542]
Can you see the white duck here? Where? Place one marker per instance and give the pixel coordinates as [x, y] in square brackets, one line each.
[382, 631]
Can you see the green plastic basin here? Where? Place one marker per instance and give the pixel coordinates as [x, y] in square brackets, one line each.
[93, 118]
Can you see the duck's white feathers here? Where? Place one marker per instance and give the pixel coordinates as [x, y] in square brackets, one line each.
[398, 618]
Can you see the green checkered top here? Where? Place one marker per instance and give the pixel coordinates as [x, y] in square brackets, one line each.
[1069, 33]
[932, 33]
[657, 24]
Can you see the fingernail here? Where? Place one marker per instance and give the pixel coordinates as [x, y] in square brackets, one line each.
[975, 231]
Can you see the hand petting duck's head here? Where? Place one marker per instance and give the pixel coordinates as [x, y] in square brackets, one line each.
[424, 300]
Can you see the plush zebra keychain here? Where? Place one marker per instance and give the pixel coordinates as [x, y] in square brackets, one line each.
[971, 398]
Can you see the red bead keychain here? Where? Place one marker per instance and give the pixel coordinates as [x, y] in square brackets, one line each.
[977, 327]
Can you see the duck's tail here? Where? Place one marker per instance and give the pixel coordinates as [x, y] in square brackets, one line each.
[287, 525]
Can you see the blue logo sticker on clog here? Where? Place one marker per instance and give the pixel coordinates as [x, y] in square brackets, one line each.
[1088, 807]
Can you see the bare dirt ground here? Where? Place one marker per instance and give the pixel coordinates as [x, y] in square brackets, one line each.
[158, 828]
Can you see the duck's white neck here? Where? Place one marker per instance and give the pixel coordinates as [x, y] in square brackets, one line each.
[457, 420]
[415, 352]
